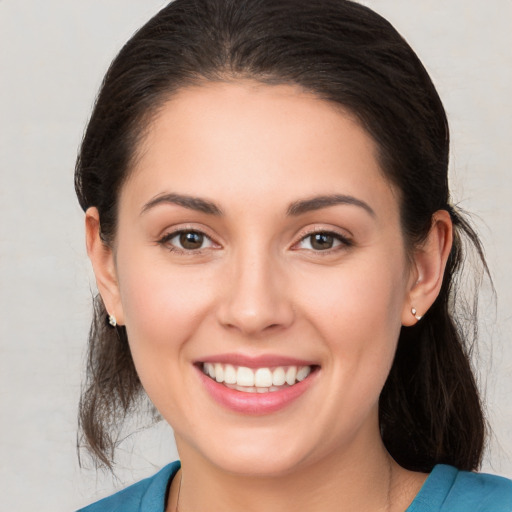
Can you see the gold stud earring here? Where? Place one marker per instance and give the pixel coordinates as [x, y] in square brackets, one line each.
[414, 312]
[112, 320]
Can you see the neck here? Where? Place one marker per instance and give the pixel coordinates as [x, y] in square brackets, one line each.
[347, 482]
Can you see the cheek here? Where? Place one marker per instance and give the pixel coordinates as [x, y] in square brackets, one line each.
[162, 306]
[357, 308]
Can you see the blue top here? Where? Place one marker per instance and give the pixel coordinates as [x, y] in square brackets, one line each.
[446, 490]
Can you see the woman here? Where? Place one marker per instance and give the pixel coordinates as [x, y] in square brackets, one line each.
[268, 219]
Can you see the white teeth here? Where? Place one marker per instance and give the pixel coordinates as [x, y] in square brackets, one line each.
[260, 380]
[246, 389]
[219, 372]
[263, 378]
[291, 373]
[230, 374]
[303, 373]
[210, 370]
[278, 377]
[244, 376]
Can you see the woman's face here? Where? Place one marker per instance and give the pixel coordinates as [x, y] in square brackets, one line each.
[259, 242]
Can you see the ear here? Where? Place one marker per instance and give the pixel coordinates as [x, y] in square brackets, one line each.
[103, 263]
[428, 268]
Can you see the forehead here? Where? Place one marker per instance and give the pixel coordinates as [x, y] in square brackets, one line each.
[245, 139]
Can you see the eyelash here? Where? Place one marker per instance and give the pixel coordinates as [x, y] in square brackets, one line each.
[343, 241]
[166, 241]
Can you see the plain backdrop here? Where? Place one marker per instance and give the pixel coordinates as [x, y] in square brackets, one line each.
[53, 55]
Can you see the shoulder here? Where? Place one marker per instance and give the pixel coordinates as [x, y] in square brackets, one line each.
[490, 492]
[148, 495]
[449, 490]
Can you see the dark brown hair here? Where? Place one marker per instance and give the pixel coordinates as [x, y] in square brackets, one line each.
[343, 52]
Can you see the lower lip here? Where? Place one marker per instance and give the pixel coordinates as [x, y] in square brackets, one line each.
[255, 403]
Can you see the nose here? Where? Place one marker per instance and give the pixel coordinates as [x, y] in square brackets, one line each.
[255, 299]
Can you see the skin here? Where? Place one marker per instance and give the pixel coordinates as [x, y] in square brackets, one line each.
[258, 286]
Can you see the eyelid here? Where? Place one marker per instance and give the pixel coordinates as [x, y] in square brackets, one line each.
[164, 240]
[345, 240]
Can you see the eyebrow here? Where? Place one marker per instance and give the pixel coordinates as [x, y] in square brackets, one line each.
[190, 202]
[319, 202]
[296, 208]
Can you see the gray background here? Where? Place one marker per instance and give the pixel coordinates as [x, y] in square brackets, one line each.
[52, 57]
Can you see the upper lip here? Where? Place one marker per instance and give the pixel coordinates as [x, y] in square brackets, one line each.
[261, 361]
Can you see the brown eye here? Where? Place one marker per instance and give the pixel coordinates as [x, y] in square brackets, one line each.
[191, 240]
[186, 240]
[321, 241]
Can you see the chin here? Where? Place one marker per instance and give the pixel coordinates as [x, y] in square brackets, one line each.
[259, 465]
[250, 453]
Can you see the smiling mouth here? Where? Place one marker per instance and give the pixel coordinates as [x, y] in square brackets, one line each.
[256, 380]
